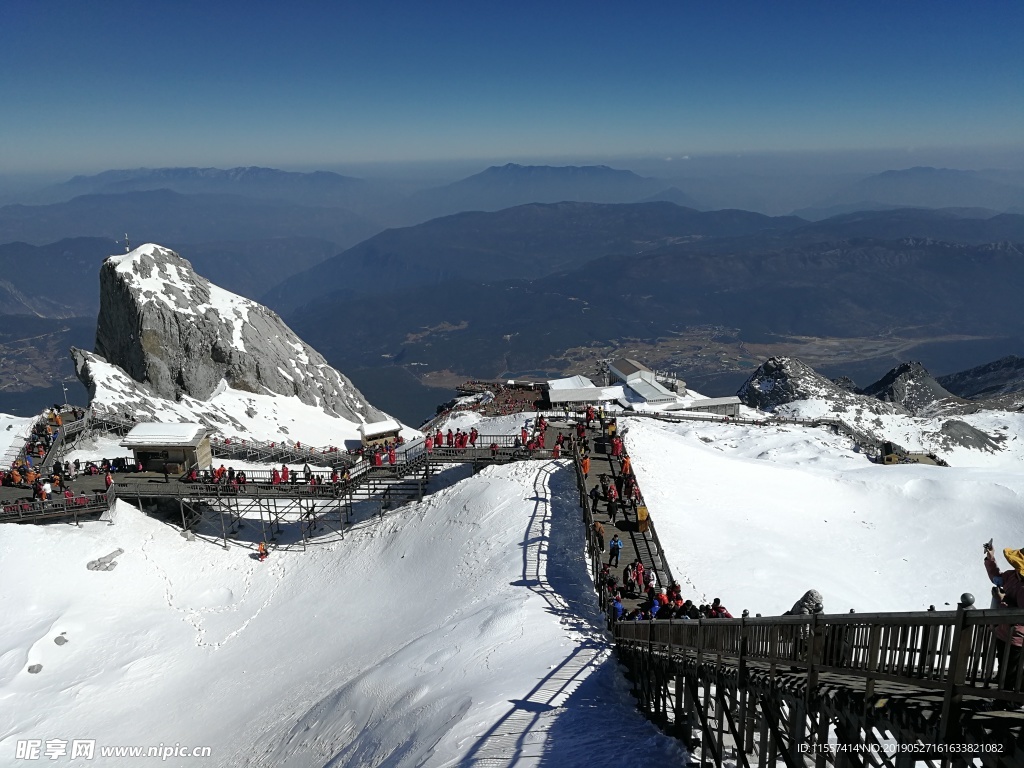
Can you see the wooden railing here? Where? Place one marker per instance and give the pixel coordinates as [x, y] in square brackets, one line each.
[955, 652]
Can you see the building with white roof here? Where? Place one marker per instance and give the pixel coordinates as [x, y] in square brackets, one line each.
[723, 406]
[379, 432]
[174, 447]
[641, 379]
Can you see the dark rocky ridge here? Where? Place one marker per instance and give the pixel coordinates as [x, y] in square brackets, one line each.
[912, 387]
[1001, 377]
[781, 380]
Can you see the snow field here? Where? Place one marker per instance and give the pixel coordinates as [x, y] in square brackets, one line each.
[759, 515]
[459, 629]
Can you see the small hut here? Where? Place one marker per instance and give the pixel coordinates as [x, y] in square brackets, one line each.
[177, 446]
[379, 432]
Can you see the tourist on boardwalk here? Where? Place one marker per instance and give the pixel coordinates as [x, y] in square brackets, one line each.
[429, 443]
[1009, 637]
[618, 609]
[275, 477]
[811, 602]
[261, 553]
[599, 532]
[629, 578]
[627, 465]
[639, 575]
[719, 611]
[284, 473]
[585, 466]
[614, 547]
[108, 480]
[613, 510]
[473, 435]
[449, 439]
[556, 451]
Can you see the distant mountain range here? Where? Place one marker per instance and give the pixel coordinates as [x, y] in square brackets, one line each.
[60, 280]
[517, 289]
[166, 216]
[510, 185]
[922, 187]
[318, 188]
[527, 241]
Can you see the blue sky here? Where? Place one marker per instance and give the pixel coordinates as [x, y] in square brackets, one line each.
[87, 86]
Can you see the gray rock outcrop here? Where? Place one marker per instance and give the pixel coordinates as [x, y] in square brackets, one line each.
[912, 387]
[781, 380]
[105, 563]
[178, 334]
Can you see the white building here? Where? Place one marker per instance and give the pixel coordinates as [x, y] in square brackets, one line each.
[641, 380]
[176, 447]
[379, 432]
[580, 391]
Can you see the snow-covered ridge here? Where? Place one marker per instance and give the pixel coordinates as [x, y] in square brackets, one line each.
[958, 431]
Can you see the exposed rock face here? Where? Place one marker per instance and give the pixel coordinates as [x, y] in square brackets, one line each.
[911, 386]
[180, 335]
[781, 380]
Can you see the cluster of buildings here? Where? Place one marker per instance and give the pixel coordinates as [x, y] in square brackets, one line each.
[632, 385]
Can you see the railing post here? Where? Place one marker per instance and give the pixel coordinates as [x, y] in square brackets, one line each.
[960, 652]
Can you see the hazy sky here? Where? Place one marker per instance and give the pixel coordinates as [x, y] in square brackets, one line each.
[87, 86]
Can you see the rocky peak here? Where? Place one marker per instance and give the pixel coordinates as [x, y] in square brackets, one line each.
[912, 387]
[178, 334]
[781, 380]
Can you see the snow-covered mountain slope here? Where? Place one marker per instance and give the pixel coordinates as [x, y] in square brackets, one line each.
[960, 433]
[180, 335]
[758, 515]
[178, 348]
[231, 412]
[460, 629]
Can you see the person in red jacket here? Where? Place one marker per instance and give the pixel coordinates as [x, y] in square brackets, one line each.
[108, 480]
[377, 460]
[556, 451]
[429, 442]
[719, 611]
